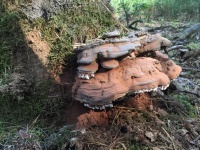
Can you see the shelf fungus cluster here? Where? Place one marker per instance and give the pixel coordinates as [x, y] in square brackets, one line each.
[111, 68]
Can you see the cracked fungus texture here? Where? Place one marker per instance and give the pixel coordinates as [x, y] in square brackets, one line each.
[111, 68]
[132, 76]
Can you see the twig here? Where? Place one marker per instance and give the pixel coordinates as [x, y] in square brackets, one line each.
[116, 116]
[174, 146]
[189, 31]
[175, 47]
[159, 28]
[164, 138]
[121, 107]
[180, 89]
[34, 121]
[190, 92]
[191, 69]
[197, 110]
[116, 141]
[123, 145]
[115, 17]
[93, 143]
[3, 146]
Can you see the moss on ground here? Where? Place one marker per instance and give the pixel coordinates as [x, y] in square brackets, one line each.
[11, 40]
[61, 31]
[74, 25]
[187, 104]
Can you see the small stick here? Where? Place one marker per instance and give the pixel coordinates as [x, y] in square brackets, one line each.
[169, 138]
[179, 89]
[175, 47]
[164, 138]
[191, 69]
[190, 92]
[123, 145]
[115, 17]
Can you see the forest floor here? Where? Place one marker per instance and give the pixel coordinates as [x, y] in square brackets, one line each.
[166, 120]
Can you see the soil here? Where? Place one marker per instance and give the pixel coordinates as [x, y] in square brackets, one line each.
[81, 117]
[75, 113]
[29, 64]
[40, 47]
[36, 59]
[140, 102]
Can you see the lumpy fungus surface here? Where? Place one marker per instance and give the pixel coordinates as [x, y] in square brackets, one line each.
[112, 68]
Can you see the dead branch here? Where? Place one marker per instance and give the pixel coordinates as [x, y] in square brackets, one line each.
[123, 145]
[174, 146]
[189, 31]
[191, 69]
[135, 22]
[190, 92]
[160, 28]
[192, 54]
[115, 18]
[175, 47]
[179, 89]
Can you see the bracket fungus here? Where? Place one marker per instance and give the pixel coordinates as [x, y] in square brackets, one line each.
[87, 71]
[112, 68]
[110, 64]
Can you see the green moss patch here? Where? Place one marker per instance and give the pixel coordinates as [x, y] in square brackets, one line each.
[87, 21]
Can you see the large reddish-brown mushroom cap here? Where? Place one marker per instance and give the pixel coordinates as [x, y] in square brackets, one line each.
[168, 66]
[131, 76]
[130, 72]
